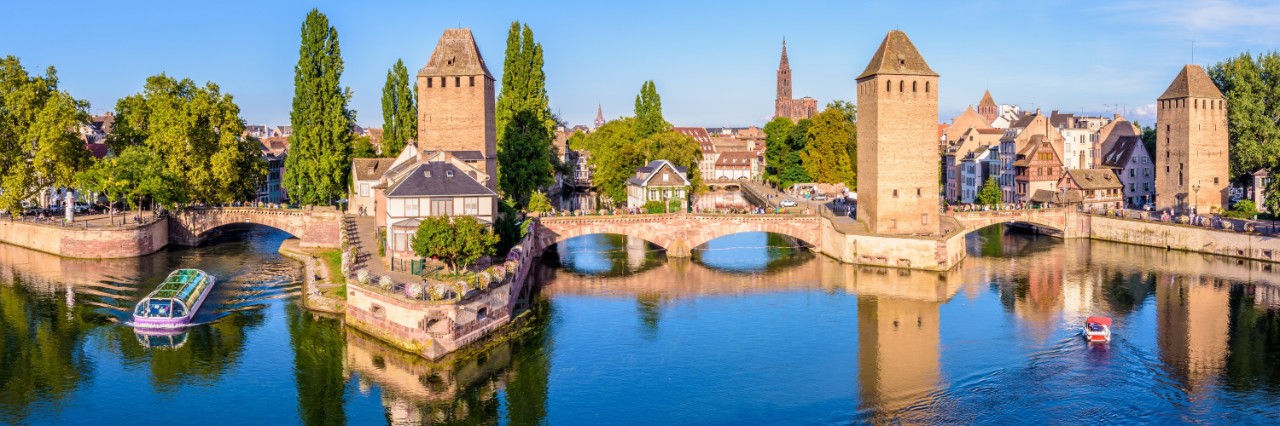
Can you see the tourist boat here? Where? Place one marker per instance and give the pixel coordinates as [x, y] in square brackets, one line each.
[1097, 329]
[176, 301]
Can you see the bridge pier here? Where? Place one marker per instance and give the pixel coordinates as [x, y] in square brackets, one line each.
[680, 248]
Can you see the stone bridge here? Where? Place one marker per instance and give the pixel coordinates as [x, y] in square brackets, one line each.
[678, 233]
[314, 226]
[1062, 222]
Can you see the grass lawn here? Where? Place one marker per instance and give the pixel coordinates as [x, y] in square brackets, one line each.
[332, 259]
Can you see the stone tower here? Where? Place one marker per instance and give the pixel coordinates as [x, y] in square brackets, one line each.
[456, 101]
[898, 140]
[1191, 144]
[599, 116]
[782, 104]
[987, 108]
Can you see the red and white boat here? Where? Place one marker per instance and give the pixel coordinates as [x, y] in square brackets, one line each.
[1097, 329]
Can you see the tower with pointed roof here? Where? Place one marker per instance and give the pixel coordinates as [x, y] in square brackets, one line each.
[897, 138]
[1191, 144]
[784, 105]
[456, 101]
[599, 116]
[987, 108]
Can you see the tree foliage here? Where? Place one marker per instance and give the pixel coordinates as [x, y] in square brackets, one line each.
[195, 132]
[617, 150]
[829, 139]
[523, 116]
[525, 155]
[316, 169]
[990, 192]
[649, 120]
[399, 111]
[1252, 88]
[134, 175]
[39, 147]
[539, 202]
[458, 243]
[784, 143]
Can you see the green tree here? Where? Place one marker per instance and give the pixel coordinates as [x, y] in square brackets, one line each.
[319, 160]
[399, 111]
[1253, 110]
[39, 147]
[649, 111]
[990, 192]
[195, 132]
[825, 157]
[1149, 142]
[526, 127]
[776, 148]
[458, 244]
[362, 147]
[524, 155]
[538, 202]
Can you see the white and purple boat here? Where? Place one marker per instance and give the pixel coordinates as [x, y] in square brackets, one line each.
[176, 301]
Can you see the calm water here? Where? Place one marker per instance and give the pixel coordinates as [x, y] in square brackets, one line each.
[749, 331]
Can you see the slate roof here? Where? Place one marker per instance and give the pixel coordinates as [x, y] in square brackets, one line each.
[439, 184]
[1062, 120]
[1122, 151]
[646, 171]
[371, 168]
[1023, 121]
[1192, 81]
[1094, 179]
[456, 54]
[897, 56]
[98, 150]
[468, 155]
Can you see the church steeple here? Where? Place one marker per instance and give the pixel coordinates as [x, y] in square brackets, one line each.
[599, 115]
[784, 75]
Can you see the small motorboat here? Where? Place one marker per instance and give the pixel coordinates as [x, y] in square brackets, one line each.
[175, 302]
[1097, 329]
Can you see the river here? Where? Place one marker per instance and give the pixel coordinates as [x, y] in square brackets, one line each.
[751, 330]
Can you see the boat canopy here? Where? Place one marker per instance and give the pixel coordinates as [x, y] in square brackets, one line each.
[179, 291]
[1098, 320]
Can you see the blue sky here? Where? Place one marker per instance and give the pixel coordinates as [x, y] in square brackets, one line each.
[713, 61]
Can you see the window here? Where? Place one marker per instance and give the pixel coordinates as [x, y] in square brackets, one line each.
[444, 83]
[442, 207]
[895, 193]
[1215, 180]
[924, 219]
[473, 81]
[926, 87]
[411, 207]
[1132, 172]
[887, 83]
[364, 190]
[457, 82]
[913, 87]
[902, 84]
[471, 206]
[428, 83]
[917, 192]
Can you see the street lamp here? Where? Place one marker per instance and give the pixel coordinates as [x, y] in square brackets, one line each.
[1195, 202]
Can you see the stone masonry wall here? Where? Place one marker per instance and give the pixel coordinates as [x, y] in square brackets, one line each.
[93, 243]
[1185, 237]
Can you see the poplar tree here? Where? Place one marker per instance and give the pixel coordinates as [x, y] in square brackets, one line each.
[525, 126]
[319, 159]
[649, 111]
[399, 111]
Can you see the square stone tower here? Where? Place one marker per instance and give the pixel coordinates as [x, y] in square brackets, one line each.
[898, 140]
[456, 101]
[1191, 144]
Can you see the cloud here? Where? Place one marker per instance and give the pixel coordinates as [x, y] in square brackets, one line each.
[1213, 22]
[1145, 111]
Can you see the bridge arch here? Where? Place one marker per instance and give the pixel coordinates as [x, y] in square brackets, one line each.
[1063, 222]
[679, 233]
[314, 227]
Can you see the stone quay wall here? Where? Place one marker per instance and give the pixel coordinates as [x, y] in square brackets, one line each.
[1185, 237]
[435, 328]
[931, 253]
[93, 243]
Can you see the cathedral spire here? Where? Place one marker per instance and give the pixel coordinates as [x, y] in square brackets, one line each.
[784, 75]
[599, 115]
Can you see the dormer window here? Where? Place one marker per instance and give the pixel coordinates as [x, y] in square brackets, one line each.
[448, 173]
[426, 173]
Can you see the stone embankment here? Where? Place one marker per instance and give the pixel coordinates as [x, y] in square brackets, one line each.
[75, 241]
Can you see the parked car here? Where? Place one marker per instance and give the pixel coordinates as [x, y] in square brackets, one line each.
[820, 197]
[787, 203]
[1148, 207]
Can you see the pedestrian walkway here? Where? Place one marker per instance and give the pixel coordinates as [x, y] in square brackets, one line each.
[362, 233]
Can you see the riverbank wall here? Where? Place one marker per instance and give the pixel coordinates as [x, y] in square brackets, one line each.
[930, 253]
[1174, 236]
[131, 240]
[435, 328]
